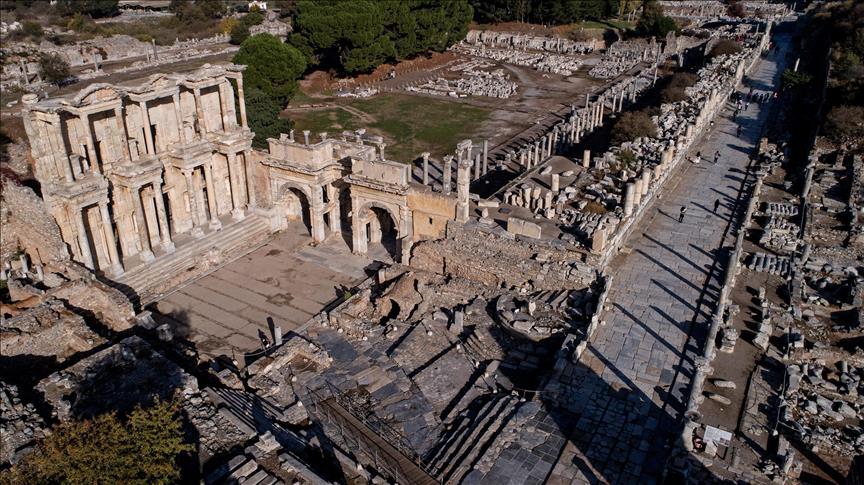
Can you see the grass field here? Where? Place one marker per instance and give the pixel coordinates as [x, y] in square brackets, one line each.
[409, 124]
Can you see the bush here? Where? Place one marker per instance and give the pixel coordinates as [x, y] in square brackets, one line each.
[264, 120]
[683, 80]
[652, 22]
[673, 94]
[53, 68]
[627, 158]
[795, 79]
[845, 124]
[724, 47]
[633, 125]
[675, 87]
[142, 449]
[735, 9]
[32, 30]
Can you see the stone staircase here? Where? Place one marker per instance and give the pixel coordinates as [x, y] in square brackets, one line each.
[192, 259]
[470, 435]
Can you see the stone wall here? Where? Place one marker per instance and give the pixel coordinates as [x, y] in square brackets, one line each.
[27, 226]
[495, 258]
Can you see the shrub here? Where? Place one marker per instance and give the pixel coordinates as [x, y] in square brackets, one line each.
[141, 449]
[53, 68]
[735, 9]
[724, 47]
[627, 158]
[795, 79]
[845, 124]
[673, 94]
[652, 22]
[32, 30]
[633, 125]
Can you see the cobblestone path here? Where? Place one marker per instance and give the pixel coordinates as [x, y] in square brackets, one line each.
[635, 374]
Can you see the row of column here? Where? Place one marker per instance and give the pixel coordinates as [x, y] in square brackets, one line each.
[480, 162]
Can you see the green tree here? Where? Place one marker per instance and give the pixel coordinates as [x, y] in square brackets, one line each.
[724, 47]
[53, 68]
[845, 124]
[240, 31]
[270, 79]
[141, 449]
[272, 66]
[653, 22]
[263, 112]
[356, 36]
[92, 8]
[633, 125]
[213, 9]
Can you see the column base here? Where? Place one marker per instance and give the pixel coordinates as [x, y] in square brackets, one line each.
[238, 214]
[146, 255]
[168, 246]
[197, 232]
[115, 269]
[215, 224]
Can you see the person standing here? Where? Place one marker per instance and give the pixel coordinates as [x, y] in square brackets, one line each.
[716, 205]
[716, 156]
[681, 214]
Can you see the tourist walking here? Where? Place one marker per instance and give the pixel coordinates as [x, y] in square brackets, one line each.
[716, 205]
[716, 156]
[681, 214]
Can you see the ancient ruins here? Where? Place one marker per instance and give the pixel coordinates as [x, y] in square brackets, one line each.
[471, 298]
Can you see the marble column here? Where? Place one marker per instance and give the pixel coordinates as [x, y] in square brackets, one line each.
[425, 156]
[193, 204]
[586, 158]
[56, 145]
[178, 115]
[462, 190]
[485, 156]
[212, 194]
[316, 209]
[358, 222]
[83, 240]
[121, 128]
[148, 135]
[92, 158]
[242, 102]
[628, 199]
[237, 212]
[448, 173]
[477, 166]
[646, 181]
[335, 209]
[250, 178]
[161, 213]
[116, 268]
[199, 112]
[146, 252]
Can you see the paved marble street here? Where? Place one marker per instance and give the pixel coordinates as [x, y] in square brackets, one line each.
[634, 376]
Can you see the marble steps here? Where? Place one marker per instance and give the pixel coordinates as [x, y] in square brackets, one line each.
[462, 447]
[457, 434]
[482, 441]
[146, 282]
